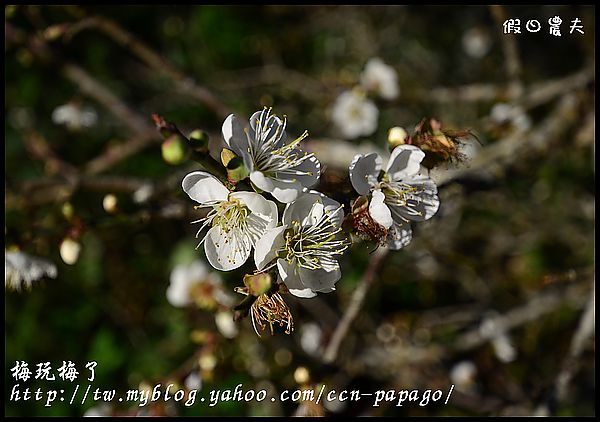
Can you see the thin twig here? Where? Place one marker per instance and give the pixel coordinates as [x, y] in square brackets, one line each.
[356, 302]
[40, 149]
[572, 362]
[398, 356]
[128, 41]
[493, 159]
[511, 54]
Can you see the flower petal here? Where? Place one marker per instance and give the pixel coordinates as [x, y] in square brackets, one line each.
[269, 127]
[203, 187]
[364, 172]
[227, 250]
[404, 162]
[234, 135]
[311, 167]
[421, 205]
[379, 211]
[399, 236]
[299, 209]
[268, 246]
[319, 280]
[258, 204]
[289, 275]
[285, 191]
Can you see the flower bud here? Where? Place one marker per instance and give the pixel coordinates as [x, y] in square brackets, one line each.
[69, 251]
[198, 140]
[396, 136]
[67, 210]
[109, 203]
[173, 150]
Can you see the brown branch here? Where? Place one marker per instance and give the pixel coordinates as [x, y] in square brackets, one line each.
[39, 148]
[511, 54]
[534, 95]
[356, 302]
[128, 41]
[539, 305]
[404, 353]
[94, 89]
[493, 159]
[572, 362]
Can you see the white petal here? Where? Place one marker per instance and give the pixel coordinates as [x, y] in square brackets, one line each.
[258, 204]
[289, 275]
[311, 166]
[421, 205]
[379, 211]
[178, 295]
[227, 251]
[404, 162]
[268, 246]
[319, 280]
[270, 126]
[234, 135]
[203, 187]
[284, 191]
[315, 214]
[364, 172]
[299, 209]
[399, 236]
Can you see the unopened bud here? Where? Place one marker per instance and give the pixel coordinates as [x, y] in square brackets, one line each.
[67, 210]
[301, 375]
[69, 251]
[109, 203]
[396, 136]
[173, 150]
[198, 140]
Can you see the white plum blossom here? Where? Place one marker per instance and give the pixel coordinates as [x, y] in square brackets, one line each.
[515, 116]
[184, 278]
[275, 163]
[74, 116]
[398, 196]
[476, 42]
[306, 246]
[21, 269]
[380, 78]
[236, 219]
[354, 115]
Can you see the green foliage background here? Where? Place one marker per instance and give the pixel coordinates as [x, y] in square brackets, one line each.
[494, 247]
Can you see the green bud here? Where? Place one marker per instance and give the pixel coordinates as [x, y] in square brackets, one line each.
[198, 140]
[173, 150]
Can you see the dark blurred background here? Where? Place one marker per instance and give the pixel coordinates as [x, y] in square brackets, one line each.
[493, 295]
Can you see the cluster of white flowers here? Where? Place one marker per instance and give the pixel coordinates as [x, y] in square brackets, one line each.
[353, 113]
[304, 244]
